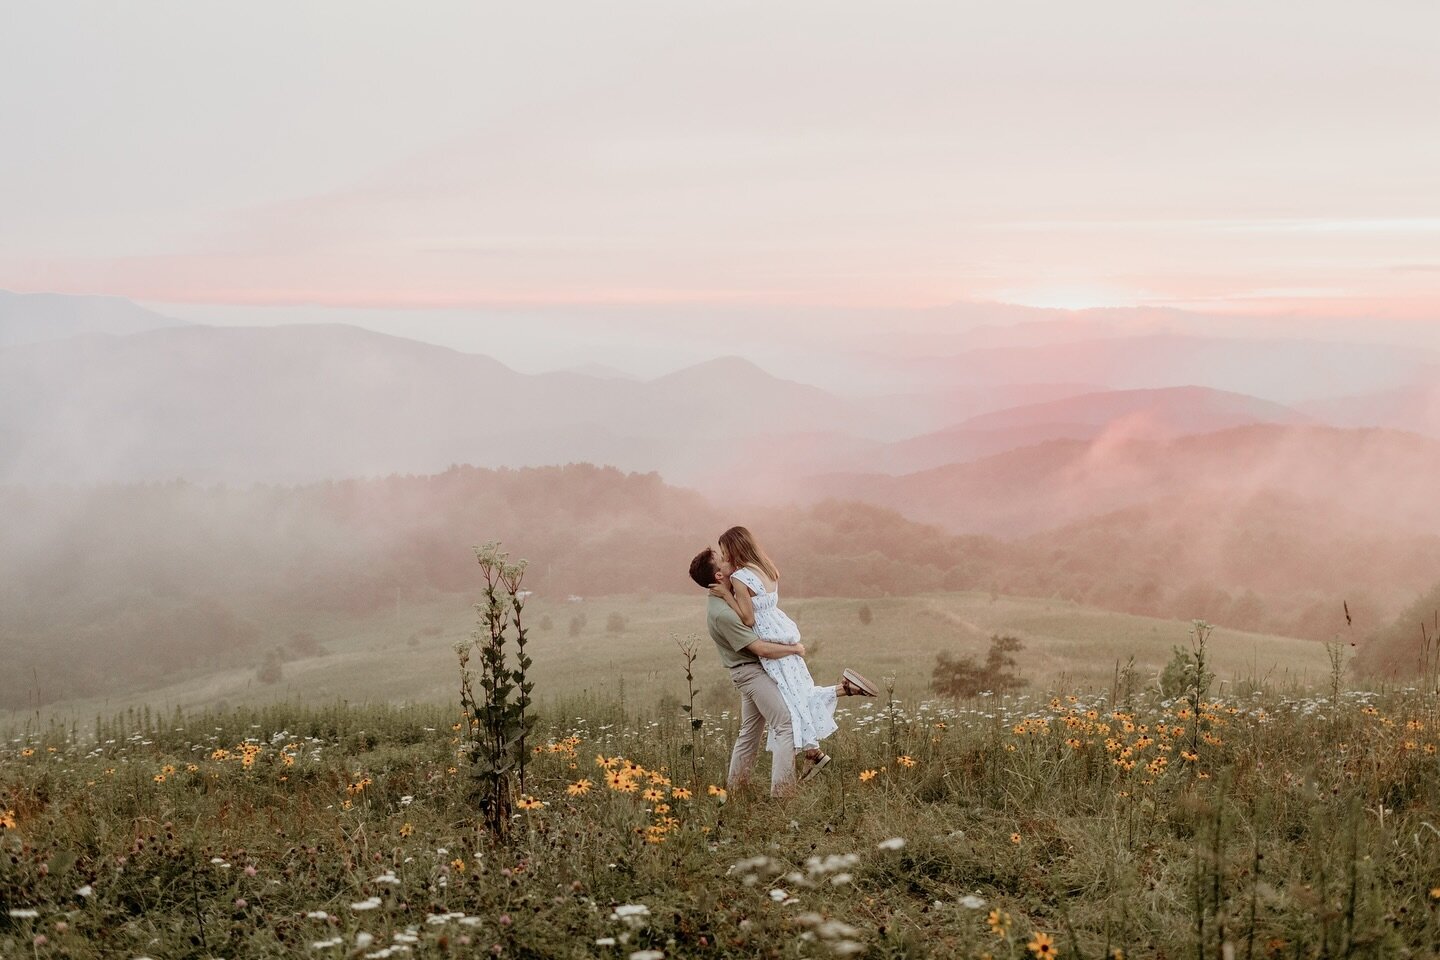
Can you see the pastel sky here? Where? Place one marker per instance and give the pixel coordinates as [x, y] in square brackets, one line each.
[1230, 155]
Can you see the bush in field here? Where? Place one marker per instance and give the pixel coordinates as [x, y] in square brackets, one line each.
[304, 644]
[865, 615]
[577, 623]
[546, 623]
[964, 676]
[270, 671]
[615, 623]
[1186, 670]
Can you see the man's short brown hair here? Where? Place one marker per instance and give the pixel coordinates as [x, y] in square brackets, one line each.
[702, 568]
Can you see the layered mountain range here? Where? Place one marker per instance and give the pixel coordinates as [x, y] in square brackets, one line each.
[1133, 472]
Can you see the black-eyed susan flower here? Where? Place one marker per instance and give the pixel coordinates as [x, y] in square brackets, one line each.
[7, 819]
[652, 796]
[680, 793]
[580, 787]
[867, 775]
[1041, 945]
[406, 829]
[1015, 838]
[905, 761]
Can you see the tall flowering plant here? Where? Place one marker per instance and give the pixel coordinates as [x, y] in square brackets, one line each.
[498, 717]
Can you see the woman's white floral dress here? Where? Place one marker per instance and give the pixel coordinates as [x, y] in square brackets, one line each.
[812, 708]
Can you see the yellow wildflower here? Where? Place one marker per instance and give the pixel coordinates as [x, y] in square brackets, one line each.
[867, 775]
[905, 761]
[580, 787]
[406, 829]
[1042, 946]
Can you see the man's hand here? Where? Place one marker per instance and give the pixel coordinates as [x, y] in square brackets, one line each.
[723, 590]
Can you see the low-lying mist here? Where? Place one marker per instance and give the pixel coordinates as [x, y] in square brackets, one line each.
[118, 587]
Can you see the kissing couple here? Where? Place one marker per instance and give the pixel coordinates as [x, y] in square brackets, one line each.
[761, 648]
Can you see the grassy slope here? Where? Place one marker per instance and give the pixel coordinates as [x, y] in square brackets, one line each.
[375, 660]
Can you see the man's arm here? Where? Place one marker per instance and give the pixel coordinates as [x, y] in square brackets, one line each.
[774, 651]
[740, 637]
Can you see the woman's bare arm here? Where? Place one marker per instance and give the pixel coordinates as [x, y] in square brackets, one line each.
[725, 591]
[743, 606]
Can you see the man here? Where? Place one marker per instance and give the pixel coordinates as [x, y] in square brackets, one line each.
[760, 701]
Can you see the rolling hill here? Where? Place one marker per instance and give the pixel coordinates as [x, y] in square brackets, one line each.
[1378, 475]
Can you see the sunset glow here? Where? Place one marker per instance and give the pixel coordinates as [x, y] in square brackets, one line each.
[1094, 158]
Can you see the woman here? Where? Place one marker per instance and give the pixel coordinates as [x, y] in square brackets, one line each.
[757, 602]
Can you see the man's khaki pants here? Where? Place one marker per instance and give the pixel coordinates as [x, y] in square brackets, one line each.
[761, 703]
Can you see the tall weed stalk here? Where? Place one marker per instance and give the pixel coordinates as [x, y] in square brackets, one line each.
[498, 719]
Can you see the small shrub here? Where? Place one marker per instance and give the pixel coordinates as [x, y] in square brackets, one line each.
[546, 623]
[304, 644]
[865, 614]
[615, 623]
[964, 676]
[577, 623]
[270, 671]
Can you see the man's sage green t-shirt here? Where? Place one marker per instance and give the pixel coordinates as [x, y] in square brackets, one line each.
[730, 634]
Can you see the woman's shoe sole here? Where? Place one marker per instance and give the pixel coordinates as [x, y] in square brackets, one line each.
[816, 768]
[858, 682]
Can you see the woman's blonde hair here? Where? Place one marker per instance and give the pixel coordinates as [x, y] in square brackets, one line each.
[742, 550]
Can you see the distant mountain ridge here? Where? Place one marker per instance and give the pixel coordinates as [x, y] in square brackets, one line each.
[305, 402]
[1377, 474]
[1288, 371]
[36, 317]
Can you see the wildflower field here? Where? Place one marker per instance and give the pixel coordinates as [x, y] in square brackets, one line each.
[1071, 824]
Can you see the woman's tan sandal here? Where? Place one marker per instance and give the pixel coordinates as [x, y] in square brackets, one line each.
[812, 767]
[855, 684]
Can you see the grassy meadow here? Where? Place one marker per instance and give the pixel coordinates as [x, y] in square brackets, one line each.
[1254, 824]
[407, 655]
[1084, 817]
